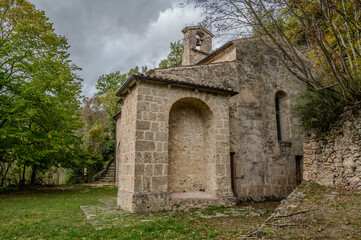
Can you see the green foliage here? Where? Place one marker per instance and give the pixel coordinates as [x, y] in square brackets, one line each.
[39, 91]
[109, 82]
[69, 177]
[174, 58]
[98, 132]
[320, 110]
[109, 147]
[98, 111]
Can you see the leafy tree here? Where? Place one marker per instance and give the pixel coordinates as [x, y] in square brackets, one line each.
[113, 81]
[95, 133]
[109, 82]
[174, 58]
[39, 91]
[98, 132]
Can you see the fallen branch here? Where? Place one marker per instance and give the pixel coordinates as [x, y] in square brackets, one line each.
[295, 213]
[257, 232]
[284, 225]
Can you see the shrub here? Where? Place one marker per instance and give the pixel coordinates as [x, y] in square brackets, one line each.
[319, 110]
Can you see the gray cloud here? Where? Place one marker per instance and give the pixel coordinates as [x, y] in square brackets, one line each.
[110, 35]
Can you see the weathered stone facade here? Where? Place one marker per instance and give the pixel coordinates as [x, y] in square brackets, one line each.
[336, 160]
[157, 155]
[185, 129]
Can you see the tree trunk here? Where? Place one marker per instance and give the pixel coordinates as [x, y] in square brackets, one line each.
[5, 173]
[33, 176]
[22, 180]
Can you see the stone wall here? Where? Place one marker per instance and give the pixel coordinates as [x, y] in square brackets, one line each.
[145, 143]
[264, 167]
[244, 125]
[336, 160]
[126, 134]
[227, 56]
[222, 75]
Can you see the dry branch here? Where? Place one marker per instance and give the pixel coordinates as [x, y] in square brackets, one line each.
[257, 233]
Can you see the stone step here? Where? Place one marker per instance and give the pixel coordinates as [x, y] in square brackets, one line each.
[107, 177]
[109, 174]
[106, 180]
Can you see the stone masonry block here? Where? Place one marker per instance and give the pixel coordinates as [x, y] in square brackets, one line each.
[143, 106]
[145, 146]
[149, 136]
[158, 170]
[143, 125]
[160, 157]
[161, 136]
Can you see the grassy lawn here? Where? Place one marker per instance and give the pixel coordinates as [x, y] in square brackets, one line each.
[43, 213]
[55, 213]
[89, 212]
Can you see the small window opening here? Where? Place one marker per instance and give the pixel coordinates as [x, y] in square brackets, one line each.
[278, 119]
[282, 117]
[198, 42]
[299, 163]
[232, 163]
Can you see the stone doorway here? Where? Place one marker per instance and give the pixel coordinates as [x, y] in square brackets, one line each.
[190, 166]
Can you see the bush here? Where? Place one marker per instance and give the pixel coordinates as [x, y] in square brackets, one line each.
[319, 110]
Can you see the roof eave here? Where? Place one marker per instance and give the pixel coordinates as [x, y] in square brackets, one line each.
[172, 82]
[215, 52]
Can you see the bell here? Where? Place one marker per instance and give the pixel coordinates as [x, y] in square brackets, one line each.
[198, 42]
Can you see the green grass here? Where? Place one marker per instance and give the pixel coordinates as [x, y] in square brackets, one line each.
[48, 213]
[54, 213]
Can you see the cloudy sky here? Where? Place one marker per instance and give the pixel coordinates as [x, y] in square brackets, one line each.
[110, 35]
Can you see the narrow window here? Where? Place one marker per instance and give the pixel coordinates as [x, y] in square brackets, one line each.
[299, 162]
[282, 117]
[278, 119]
[232, 163]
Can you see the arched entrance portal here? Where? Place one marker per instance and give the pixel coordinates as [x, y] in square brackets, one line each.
[190, 152]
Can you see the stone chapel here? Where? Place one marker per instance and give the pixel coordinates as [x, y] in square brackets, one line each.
[215, 130]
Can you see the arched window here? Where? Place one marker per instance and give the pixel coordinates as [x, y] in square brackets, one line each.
[282, 116]
[198, 42]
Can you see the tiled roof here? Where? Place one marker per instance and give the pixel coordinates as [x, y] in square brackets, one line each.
[172, 82]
